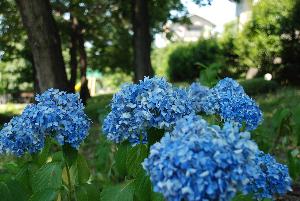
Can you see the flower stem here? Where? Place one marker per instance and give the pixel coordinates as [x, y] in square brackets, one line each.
[71, 190]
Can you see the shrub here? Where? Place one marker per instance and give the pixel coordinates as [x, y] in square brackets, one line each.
[160, 58]
[185, 157]
[186, 61]
[259, 85]
[269, 40]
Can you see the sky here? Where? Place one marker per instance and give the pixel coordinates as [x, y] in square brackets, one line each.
[219, 12]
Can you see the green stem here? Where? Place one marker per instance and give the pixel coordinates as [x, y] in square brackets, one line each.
[71, 190]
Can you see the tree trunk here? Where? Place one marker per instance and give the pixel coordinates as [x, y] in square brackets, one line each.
[141, 39]
[45, 43]
[36, 87]
[73, 52]
[84, 91]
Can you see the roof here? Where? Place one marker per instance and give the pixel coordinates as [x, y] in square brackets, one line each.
[197, 17]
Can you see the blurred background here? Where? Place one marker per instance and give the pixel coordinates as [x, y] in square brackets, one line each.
[93, 46]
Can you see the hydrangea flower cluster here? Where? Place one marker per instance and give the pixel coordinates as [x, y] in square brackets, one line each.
[196, 92]
[21, 134]
[153, 103]
[57, 114]
[229, 100]
[197, 161]
[272, 178]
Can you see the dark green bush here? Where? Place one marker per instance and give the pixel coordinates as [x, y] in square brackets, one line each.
[259, 86]
[186, 61]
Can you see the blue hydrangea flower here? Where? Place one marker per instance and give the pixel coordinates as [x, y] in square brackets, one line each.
[21, 134]
[196, 92]
[153, 103]
[56, 114]
[64, 114]
[229, 100]
[272, 178]
[197, 161]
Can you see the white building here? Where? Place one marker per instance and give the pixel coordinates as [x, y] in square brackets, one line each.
[190, 32]
[244, 10]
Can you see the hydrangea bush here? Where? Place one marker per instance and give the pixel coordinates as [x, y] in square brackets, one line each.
[55, 114]
[167, 148]
[195, 160]
[56, 118]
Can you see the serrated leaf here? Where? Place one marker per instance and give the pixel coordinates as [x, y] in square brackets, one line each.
[157, 196]
[17, 190]
[93, 192]
[45, 195]
[81, 194]
[24, 176]
[121, 192]
[83, 170]
[44, 154]
[136, 156]
[49, 176]
[294, 165]
[87, 192]
[4, 192]
[142, 187]
[58, 156]
[121, 158]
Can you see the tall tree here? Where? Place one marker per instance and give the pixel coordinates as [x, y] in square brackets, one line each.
[45, 43]
[73, 51]
[141, 40]
[14, 48]
[148, 18]
[84, 91]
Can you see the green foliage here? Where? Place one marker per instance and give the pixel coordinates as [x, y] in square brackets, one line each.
[142, 186]
[135, 157]
[209, 76]
[113, 79]
[121, 192]
[106, 168]
[160, 58]
[186, 61]
[291, 45]
[228, 43]
[259, 86]
[12, 190]
[279, 132]
[16, 70]
[44, 195]
[268, 40]
[128, 161]
[49, 176]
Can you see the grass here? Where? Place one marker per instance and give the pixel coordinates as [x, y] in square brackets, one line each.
[277, 107]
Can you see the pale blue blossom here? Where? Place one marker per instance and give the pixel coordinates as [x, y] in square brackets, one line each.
[55, 114]
[152, 103]
[196, 92]
[197, 161]
[272, 178]
[229, 100]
